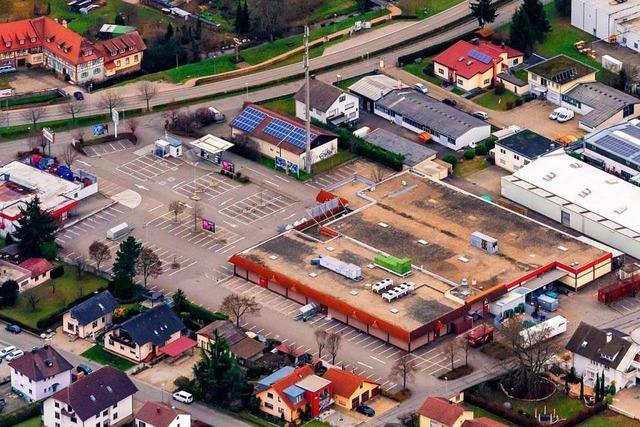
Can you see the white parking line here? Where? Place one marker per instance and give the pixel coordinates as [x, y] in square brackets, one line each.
[183, 268]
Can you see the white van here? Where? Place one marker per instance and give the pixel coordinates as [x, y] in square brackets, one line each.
[183, 396]
[119, 231]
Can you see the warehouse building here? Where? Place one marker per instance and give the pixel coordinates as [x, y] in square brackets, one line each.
[398, 268]
[616, 150]
[582, 197]
[432, 119]
[370, 89]
[612, 21]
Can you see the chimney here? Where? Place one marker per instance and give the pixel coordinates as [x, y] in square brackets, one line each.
[609, 336]
[157, 410]
[33, 350]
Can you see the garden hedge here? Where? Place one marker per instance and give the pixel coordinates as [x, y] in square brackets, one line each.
[21, 414]
[56, 317]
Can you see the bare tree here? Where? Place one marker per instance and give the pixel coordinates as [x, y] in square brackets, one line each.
[33, 115]
[36, 140]
[237, 306]
[72, 107]
[110, 100]
[451, 351]
[176, 208]
[32, 301]
[333, 345]
[69, 155]
[148, 265]
[148, 91]
[99, 252]
[321, 340]
[530, 350]
[81, 266]
[79, 135]
[377, 174]
[465, 346]
[133, 124]
[404, 369]
[196, 215]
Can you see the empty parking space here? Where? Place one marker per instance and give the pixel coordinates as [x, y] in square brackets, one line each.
[107, 148]
[346, 172]
[111, 215]
[147, 167]
[221, 241]
[208, 186]
[257, 206]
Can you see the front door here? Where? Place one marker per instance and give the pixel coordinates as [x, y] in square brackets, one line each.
[566, 219]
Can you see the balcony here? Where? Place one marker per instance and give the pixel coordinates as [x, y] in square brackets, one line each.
[124, 340]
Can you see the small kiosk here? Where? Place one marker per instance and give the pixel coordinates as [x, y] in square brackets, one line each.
[167, 147]
[211, 148]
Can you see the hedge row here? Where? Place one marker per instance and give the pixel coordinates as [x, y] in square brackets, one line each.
[56, 317]
[21, 414]
[200, 316]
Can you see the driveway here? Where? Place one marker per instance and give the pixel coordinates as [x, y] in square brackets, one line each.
[163, 374]
[621, 53]
[627, 402]
[34, 80]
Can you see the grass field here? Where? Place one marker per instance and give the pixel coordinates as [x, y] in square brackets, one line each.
[222, 63]
[478, 412]
[416, 68]
[52, 298]
[610, 419]
[436, 6]
[467, 167]
[495, 102]
[330, 8]
[99, 355]
[46, 98]
[31, 422]
[285, 105]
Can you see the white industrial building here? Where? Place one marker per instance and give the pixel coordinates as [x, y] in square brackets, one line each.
[580, 196]
[615, 149]
[616, 21]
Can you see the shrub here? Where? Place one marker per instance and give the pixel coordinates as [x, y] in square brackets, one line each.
[57, 271]
[257, 371]
[182, 383]
[469, 154]
[451, 159]
[481, 149]
[519, 102]
[21, 414]
[122, 287]
[49, 250]
[490, 142]
[510, 105]
[499, 90]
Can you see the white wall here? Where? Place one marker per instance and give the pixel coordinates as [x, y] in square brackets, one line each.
[349, 106]
[508, 160]
[588, 369]
[599, 19]
[36, 390]
[123, 410]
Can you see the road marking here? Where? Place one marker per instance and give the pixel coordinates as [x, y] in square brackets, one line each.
[281, 178]
[378, 360]
[84, 163]
[365, 365]
[272, 183]
[229, 223]
[157, 207]
[226, 201]
[259, 173]
[183, 268]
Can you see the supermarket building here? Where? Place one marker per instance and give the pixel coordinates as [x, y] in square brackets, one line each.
[454, 281]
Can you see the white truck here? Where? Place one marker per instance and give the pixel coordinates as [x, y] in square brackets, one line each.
[119, 231]
[544, 331]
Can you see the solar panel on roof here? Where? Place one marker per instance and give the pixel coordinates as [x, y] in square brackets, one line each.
[482, 57]
[249, 119]
[634, 131]
[298, 137]
[278, 128]
[618, 146]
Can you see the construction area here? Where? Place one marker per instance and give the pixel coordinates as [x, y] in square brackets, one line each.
[416, 259]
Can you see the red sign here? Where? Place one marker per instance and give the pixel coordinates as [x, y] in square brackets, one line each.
[208, 225]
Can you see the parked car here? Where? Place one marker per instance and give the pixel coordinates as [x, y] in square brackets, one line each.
[4, 69]
[366, 410]
[450, 101]
[78, 96]
[554, 113]
[421, 88]
[14, 355]
[480, 115]
[5, 351]
[183, 396]
[565, 116]
[85, 369]
[15, 329]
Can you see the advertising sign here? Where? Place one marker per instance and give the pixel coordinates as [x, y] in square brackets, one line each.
[281, 163]
[208, 225]
[228, 166]
[99, 130]
[49, 135]
[293, 168]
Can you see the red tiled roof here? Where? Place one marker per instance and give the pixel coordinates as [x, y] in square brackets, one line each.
[344, 383]
[179, 346]
[13, 32]
[289, 380]
[125, 45]
[36, 266]
[441, 410]
[158, 414]
[63, 42]
[457, 57]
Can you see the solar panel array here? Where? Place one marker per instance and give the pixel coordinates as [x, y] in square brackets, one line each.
[249, 119]
[619, 147]
[482, 57]
[287, 132]
[634, 131]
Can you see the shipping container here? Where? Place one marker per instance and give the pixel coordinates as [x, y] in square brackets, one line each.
[399, 266]
[119, 231]
[350, 271]
[484, 242]
[480, 335]
[624, 288]
[547, 303]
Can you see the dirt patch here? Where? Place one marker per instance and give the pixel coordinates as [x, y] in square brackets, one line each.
[291, 250]
[424, 310]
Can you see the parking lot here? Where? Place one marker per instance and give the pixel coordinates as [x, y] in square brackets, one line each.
[207, 187]
[257, 206]
[107, 148]
[92, 224]
[148, 166]
[346, 172]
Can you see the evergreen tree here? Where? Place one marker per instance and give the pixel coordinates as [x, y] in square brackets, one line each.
[521, 34]
[484, 11]
[34, 228]
[581, 388]
[119, 20]
[603, 390]
[126, 257]
[9, 293]
[538, 19]
[169, 34]
[239, 24]
[246, 18]
[48, 11]
[563, 7]
[198, 34]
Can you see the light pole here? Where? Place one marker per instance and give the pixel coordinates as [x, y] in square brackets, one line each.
[214, 64]
[246, 85]
[446, 387]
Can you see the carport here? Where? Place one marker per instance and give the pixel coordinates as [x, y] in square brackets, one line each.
[179, 347]
[210, 148]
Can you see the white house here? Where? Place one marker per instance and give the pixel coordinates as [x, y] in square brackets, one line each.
[157, 414]
[102, 398]
[327, 103]
[90, 317]
[40, 373]
[554, 77]
[521, 148]
[609, 352]
[613, 21]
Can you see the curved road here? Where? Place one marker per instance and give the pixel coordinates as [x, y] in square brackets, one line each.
[371, 43]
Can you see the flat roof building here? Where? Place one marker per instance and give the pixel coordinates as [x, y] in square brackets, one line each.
[521, 148]
[421, 113]
[580, 196]
[615, 149]
[553, 77]
[608, 20]
[433, 225]
[369, 89]
[412, 151]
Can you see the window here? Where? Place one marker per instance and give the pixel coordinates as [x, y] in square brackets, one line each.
[115, 405]
[441, 71]
[105, 412]
[57, 415]
[460, 82]
[280, 410]
[118, 63]
[433, 424]
[115, 415]
[97, 424]
[73, 419]
[627, 110]
[84, 76]
[515, 61]
[342, 98]
[57, 424]
[96, 71]
[270, 395]
[516, 157]
[57, 405]
[142, 424]
[126, 61]
[268, 405]
[486, 81]
[349, 106]
[503, 151]
[135, 58]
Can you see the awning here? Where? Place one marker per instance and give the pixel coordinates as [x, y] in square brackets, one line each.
[179, 346]
[212, 144]
[544, 279]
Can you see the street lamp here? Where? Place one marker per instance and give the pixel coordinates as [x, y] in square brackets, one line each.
[214, 64]
[446, 387]
[246, 85]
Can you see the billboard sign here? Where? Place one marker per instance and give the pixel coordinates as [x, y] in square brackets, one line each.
[115, 118]
[49, 135]
[228, 166]
[208, 225]
[281, 163]
[99, 130]
[293, 168]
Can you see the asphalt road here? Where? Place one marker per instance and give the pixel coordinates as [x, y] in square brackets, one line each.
[365, 50]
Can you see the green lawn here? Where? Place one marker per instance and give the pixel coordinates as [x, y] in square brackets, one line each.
[285, 105]
[478, 412]
[46, 98]
[99, 355]
[222, 64]
[610, 419]
[53, 296]
[467, 167]
[345, 83]
[31, 422]
[521, 74]
[416, 68]
[495, 102]
[329, 8]
[434, 7]
[314, 423]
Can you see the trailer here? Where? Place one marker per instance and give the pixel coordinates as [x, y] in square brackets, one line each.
[624, 288]
[544, 330]
[307, 311]
[480, 335]
[350, 271]
[119, 231]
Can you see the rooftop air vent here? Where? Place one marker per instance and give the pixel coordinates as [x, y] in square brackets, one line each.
[575, 165]
[584, 193]
[620, 209]
[549, 176]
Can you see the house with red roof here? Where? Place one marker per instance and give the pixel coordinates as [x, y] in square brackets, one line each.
[39, 270]
[160, 414]
[44, 42]
[350, 389]
[475, 65]
[441, 412]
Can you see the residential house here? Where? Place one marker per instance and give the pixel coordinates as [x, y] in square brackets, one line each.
[604, 351]
[40, 373]
[349, 388]
[616, 149]
[141, 337]
[440, 412]
[327, 103]
[475, 65]
[600, 105]
[432, 119]
[44, 42]
[39, 271]
[554, 77]
[290, 392]
[521, 148]
[612, 21]
[9, 271]
[370, 89]
[283, 138]
[246, 350]
[90, 317]
[102, 398]
[160, 414]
